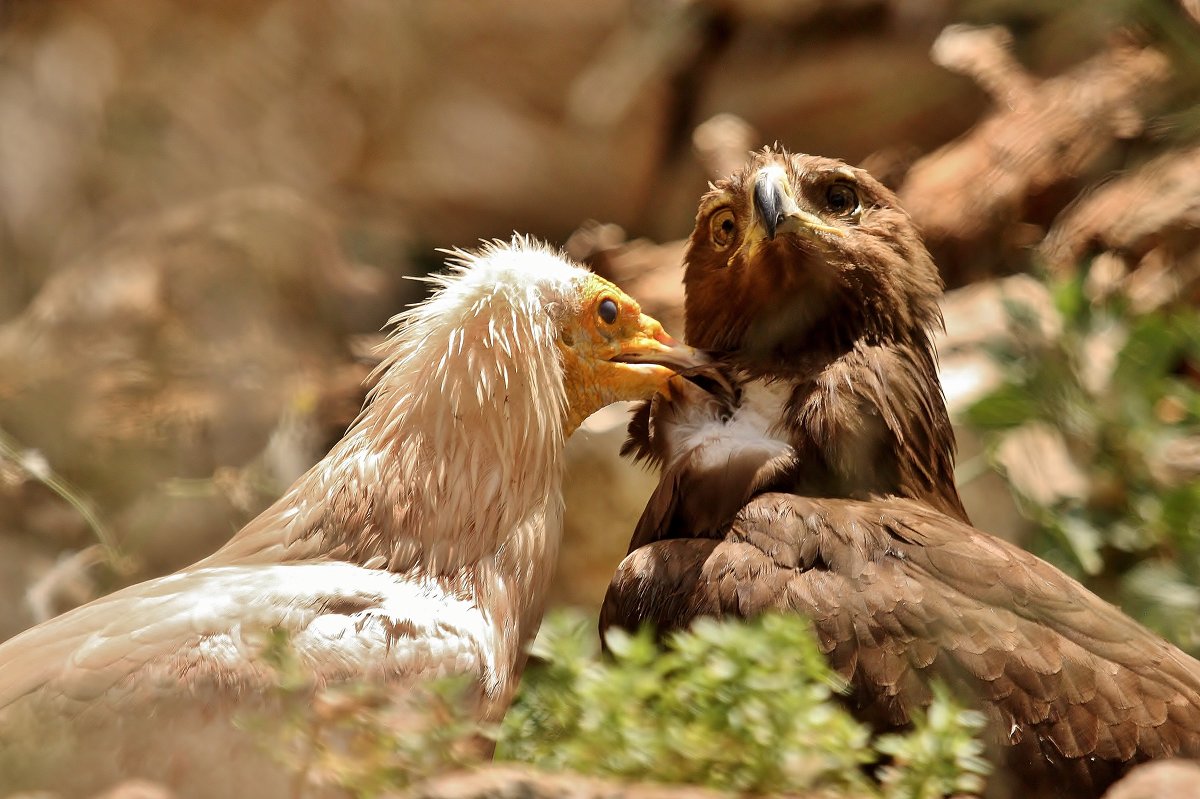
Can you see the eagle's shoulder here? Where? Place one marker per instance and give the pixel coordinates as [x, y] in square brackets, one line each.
[718, 446]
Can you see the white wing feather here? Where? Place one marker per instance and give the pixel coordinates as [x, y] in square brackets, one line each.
[218, 617]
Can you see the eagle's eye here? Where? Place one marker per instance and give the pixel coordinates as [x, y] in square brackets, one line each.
[607, 309]
[722, 227]
[841, 198]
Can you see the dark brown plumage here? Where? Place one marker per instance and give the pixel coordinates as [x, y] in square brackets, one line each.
[815, 475]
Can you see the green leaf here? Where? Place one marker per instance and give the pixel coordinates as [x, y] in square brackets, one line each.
[1152, 347]
[747, 707]
[1006, 407]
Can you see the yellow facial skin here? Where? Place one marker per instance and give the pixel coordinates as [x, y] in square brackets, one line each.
[608, 357]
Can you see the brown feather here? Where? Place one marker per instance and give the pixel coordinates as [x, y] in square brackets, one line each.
[860, 527]
[1043, 677]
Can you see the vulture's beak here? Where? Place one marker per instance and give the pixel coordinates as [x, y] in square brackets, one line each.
[651, 345]
[777, 209]
[629, 358]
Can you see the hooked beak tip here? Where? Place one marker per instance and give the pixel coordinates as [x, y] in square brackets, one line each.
[778, 210]
[662, 349]
[768, 200]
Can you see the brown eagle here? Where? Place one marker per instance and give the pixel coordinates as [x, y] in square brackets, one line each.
[422, 545]
[814, 474]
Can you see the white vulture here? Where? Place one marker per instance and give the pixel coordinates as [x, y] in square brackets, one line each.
[422, 545]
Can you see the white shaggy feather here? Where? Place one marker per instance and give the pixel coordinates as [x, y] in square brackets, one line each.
[423, 543]
[697, 427]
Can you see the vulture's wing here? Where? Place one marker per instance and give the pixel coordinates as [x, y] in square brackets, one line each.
[339, 618]
[158, 680]
[899, 593]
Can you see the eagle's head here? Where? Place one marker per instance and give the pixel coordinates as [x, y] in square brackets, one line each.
[797, 252]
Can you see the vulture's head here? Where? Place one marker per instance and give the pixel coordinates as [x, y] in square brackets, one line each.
[611, 351]
[515, 333]
[797, 252]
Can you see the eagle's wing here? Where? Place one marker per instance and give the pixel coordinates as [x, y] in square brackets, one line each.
[899, 593]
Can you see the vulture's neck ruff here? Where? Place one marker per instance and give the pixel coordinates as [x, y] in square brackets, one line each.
[462, 430]
[453, 471]
[457, 444]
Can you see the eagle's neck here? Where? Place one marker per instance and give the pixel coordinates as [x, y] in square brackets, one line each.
[868, 418]
[897, 439]
[452, 472]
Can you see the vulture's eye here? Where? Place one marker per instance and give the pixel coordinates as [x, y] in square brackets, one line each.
[607, 310]
[723, 226]
[842, 199]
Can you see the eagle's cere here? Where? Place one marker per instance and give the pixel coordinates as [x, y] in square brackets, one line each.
[813, 472]
[421, 545]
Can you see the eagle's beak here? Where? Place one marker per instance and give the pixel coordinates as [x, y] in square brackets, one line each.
[778, 212]
[651, 344]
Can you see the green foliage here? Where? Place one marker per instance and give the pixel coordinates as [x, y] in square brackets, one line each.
[940, 757]
[742, 707]
[1121, 389]
[360, 736]
[746, 707]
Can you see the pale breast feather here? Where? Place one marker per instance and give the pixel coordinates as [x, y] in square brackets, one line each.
[713, 434]
[718, 454]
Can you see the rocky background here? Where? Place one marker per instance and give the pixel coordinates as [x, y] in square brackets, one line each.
[207, 210]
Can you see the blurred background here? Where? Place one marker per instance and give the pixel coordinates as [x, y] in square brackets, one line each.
[207, 210]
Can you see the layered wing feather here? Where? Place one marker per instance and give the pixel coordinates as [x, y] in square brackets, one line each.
[899, 593]
[153, 680]
[341, 620]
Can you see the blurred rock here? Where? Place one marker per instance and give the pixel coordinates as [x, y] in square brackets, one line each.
[517, 782]
[1039, 465]
[1192, 8]
[1144, 228]
[722, 143]
[1164, 779]
[822, 77]
[970, 196]
[977, 317]
[136, 789]
[1177, 461]
[207, 340]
